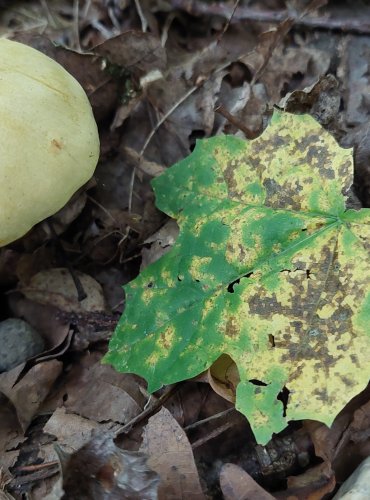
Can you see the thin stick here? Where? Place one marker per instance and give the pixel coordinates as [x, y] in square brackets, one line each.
[212, 435]
[230, 18]
[347, 25]
[152, 133]
[144, 22]
[76, 24]
[170, 391]
[249, 134]
[32, 468]
[174, 107]
[209, 419]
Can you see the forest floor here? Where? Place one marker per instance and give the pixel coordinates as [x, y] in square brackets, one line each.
[161, 74]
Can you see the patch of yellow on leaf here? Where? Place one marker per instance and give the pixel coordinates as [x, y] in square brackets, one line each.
[351, 301]
[147, 296]
[167, 278]
[196, 265]
[326, 311]
[198, 227]
[152, 360]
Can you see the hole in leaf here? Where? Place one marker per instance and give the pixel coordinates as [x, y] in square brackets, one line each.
[150, 284]
[308, 274]
[254, 381]
[230, 288]
[195, 134]
[272, 340]
[304, 229]
[179, 278]
[283, 396]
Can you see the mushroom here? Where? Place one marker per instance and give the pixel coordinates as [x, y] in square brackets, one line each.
[49, 143]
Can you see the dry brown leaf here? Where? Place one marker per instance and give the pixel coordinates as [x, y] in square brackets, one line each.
[313, 484]
[171, 456]
[46, 320]
[31, 263]
[57, 288]
[11, 435]
[194, 115]
[268, 42]
[150, 168]
[72, 431]
[322, 438]
[223, 377]
[321, 100]
[134, 51]
[28, 394]
[347, 442]
[237, 484]
[124, 111]
[98, 392]
[66, 215]
[355, 71]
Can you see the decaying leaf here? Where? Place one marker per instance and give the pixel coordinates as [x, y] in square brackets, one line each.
[171, 456]
[28, 394]
[56, 287]
[236, 484]
[269, 268]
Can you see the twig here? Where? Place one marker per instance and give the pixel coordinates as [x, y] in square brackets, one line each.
[50, 17]
[86, 9]
[230, 18]
[170, 391]
[212, 435]
[103, 209]
[33, 468]
[176, 105]
[249, 134]
[192, 89]
[166, 27]
[209, 419]
[152, 133]
[144, 22]
[347, 25]
[166, 115]
[76, 24]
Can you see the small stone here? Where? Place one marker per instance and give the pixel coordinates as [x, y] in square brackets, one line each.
[18, 342]
[357, 486]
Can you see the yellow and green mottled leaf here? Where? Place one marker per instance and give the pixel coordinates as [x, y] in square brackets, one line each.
[269, 268]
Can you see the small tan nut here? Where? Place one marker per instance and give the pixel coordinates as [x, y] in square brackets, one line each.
[49, 143]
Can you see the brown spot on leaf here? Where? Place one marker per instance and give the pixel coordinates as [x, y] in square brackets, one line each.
[56, 145]
[232, 329]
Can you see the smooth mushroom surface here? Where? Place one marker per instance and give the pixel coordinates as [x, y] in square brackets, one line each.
[49, 143]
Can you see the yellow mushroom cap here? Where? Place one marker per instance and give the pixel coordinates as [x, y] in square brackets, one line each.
[49, 143]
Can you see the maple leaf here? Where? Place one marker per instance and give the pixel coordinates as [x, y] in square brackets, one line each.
[269, 268]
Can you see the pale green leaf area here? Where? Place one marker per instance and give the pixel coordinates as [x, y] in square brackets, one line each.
[269, 268]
